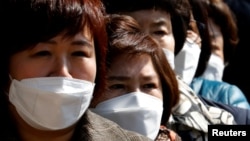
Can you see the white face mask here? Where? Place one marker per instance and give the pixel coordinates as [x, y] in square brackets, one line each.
[215, 68]
[135, 111]
[186, 61]
[170, 57]
[51, 103]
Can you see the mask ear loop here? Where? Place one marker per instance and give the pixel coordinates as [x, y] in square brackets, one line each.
[5, 92]
[10, 77]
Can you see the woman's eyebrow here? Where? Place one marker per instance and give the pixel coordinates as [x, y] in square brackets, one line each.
[118, 78]
[80, 42]
[149, 77]
[84, 42]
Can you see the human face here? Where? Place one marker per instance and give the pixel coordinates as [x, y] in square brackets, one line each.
[64, 57]
[217, 41]
[135, 74]
[158, 24]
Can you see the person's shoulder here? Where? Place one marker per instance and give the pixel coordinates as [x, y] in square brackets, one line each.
[102, 129]
[223, 85]
[210, 83]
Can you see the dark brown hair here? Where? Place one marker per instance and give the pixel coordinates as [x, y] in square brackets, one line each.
[222, 15]
[200, 16]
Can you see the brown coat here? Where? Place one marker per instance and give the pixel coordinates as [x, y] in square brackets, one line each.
[106, 130]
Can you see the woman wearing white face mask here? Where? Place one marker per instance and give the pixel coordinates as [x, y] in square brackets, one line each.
[216, 62]
[137, 71]
[208, 82]
[224, 38]
[54, 58]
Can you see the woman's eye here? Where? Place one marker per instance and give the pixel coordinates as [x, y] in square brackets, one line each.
[149, 86]
[116, 87]
[159, 33]
[79, 53]
[42, 53]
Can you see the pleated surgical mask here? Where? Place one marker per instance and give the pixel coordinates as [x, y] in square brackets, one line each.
[186, 61]
[170, 57]
[135, 111]
[51, 103]
[215, 68]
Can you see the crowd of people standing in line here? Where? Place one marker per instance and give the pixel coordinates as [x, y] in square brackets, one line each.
[167, 22]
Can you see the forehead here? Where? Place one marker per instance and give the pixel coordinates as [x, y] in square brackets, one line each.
[131, 65]
[151, 17]
[87, 32]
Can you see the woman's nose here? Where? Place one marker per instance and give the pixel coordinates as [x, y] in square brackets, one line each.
[61, 68]
[134, 89]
